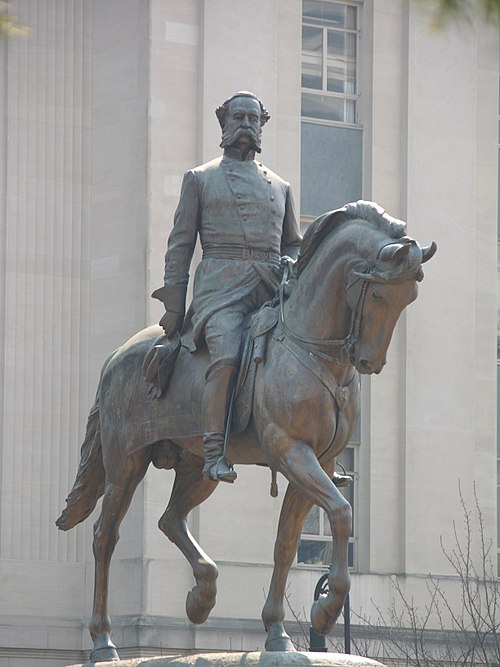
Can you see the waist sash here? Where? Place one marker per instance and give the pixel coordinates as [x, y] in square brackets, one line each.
[240, 252]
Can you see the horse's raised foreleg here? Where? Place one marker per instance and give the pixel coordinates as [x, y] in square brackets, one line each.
[301, 467]
[121, 481]
[293, 512]
[189, 491]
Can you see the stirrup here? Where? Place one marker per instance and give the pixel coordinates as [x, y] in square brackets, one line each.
[341, 481]
[220, 471]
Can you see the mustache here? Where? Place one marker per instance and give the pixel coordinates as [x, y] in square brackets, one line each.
[230, 138]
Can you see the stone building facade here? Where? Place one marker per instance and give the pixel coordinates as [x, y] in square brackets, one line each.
[103, 106]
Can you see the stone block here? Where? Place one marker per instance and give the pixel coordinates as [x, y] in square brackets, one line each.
[255, 659]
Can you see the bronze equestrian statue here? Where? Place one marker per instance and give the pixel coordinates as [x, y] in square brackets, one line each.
[295, 410]
[245, 218]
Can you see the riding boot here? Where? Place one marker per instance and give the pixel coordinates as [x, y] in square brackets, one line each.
[216, 398]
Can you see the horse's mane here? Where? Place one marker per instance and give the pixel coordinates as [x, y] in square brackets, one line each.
[367, 211]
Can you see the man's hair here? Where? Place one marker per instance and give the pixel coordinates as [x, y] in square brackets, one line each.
[221, 112]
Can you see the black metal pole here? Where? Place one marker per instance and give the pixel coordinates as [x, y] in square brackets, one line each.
[317, 642]
[347, 626]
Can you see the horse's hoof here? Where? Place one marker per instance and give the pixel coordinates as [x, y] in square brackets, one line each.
[321, 620]
[104, 650]
[197, 612]
[278, 640]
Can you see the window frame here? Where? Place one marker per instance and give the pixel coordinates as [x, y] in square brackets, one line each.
[324, 92]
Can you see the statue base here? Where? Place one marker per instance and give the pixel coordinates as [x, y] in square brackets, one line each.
[253, 659]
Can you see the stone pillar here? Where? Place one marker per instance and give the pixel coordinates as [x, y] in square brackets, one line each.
[73, 220]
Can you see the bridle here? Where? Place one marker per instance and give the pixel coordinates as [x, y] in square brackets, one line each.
[341, 351]
[338, 351]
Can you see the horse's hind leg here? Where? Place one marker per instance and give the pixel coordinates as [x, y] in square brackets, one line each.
[293, 512]
[189, 491]
[122, 479]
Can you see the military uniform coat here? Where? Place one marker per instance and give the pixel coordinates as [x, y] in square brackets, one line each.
[236, 207]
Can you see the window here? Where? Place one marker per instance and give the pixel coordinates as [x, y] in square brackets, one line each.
[329, 61]
[331, 134]
[331, 175]
[315, 546]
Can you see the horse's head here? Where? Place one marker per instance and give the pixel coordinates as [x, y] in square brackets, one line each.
[359, 259]
[377, 296]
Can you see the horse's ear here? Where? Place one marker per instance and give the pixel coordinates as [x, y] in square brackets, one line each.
[428, 252]
[394, 251]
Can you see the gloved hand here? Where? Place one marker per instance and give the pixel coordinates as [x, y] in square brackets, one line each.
[286, 260]
[287, 263]
[171, 323]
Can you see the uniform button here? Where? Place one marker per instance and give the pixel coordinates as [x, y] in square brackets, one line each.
[269, 180]
[264, 172]
[245, 217]
[272, 198]
[238, 196]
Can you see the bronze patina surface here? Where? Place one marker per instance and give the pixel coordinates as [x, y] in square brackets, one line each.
[357, 270]
[244, 216]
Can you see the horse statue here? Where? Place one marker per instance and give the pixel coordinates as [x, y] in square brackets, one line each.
[356, 272]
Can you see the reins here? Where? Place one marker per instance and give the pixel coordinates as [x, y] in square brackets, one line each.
[334, 350]
[339, 351]
[309, 350]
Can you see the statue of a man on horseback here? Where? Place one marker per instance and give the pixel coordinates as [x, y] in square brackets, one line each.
[362, 271]
[245, 218]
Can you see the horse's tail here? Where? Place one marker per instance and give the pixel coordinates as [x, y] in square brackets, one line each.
[89, 482]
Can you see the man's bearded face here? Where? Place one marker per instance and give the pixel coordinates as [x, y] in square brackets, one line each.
[242, 128]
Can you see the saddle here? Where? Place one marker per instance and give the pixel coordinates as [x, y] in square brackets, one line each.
[159, 362]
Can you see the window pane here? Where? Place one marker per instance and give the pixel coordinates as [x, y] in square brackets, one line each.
[315, 552]
[346, 459]
[321, 553]
[356, 436]
[350, 554]
[351, 18]
[329, 13]
[323, 107]
[350, 112]
[331, 167]
[348, 493]
[341, 62]
[326, 525]
[311, 523]
[312, 57]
